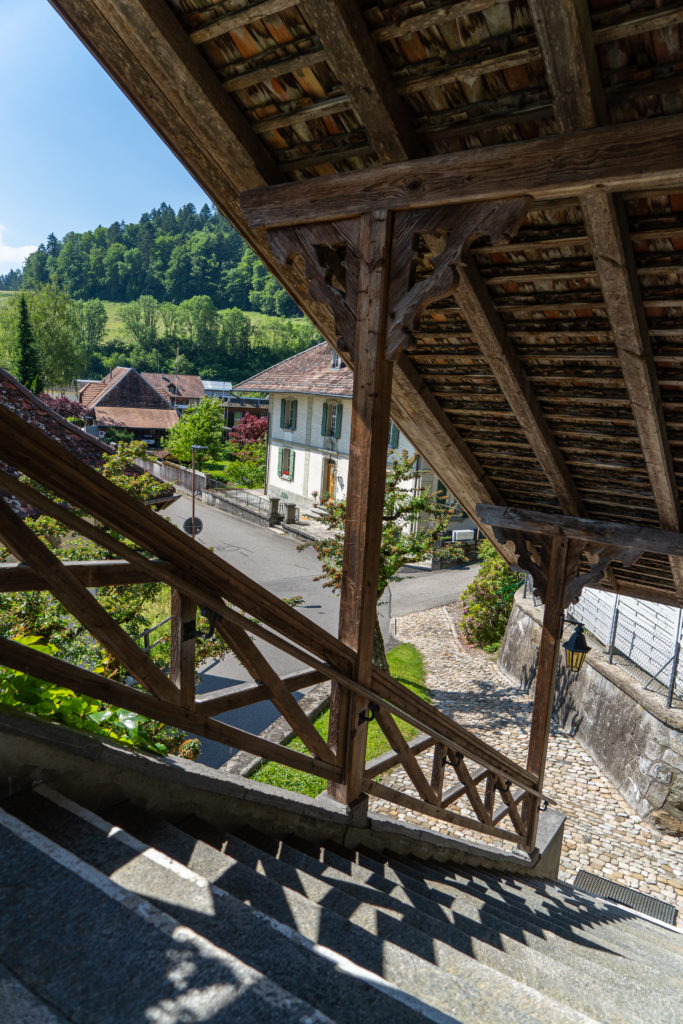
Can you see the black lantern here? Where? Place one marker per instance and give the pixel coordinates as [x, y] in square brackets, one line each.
[576, 649]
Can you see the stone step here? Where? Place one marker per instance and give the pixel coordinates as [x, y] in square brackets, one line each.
[588, 987]
[20, 1005]
[536, 892]
[474, 994]
[93, 951]
[521, 899]
[513, 928]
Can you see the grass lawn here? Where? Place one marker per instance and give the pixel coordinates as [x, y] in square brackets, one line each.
[405, 665]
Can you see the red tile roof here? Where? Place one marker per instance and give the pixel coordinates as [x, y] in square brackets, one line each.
[134, 419]
[307, 373]
[176, 385]
[18, 399]
[94, 390]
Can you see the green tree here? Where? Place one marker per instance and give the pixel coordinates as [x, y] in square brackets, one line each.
[201, 424]
[57, 329]
[28, 368]
[487, 601]
[412, 520]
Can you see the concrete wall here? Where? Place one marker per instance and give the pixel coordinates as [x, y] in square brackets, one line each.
[635, 739]
[171, 473]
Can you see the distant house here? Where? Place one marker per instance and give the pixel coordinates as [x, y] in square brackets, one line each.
[217, 388]
[19, 400]
[125, 400]
[309, 428]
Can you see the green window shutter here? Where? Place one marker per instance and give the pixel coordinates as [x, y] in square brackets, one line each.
[294, 405]
[324, 423]
[393, 436]
[282, 413]
[337, 425]
[279, 462]
[292, 456]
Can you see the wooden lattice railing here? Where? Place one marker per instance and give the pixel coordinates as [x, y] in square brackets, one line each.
[489, 790]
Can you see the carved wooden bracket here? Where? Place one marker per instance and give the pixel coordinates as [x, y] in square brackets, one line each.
[427, 246]
[533, 556]
[330, 256]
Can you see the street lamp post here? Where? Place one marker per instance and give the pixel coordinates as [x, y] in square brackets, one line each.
[195, 448]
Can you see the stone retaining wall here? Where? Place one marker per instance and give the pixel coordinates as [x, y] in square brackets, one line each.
[635, 739]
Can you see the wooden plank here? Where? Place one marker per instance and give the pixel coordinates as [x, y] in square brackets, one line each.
[111, 573]
[62, 673]
[471, 788]
[499, 62]
[489, 333]
[301, 115]
[371, 407]
[509, 807]
[454, 793]
[258, 666]
[635, 155]
[341, 28]
[394, 796]
[182, 667]
[591, 531]
[275, 69]
[238, 19]
[434, 16]
[637, 25]
[384, 762]
[408, 759]
[438, 770]
[244, 694]
[551, 634]
[82, 605]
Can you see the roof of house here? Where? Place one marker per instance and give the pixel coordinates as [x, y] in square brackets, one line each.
[176, 385]
[547, 371]
[306, 373]
[134, 418]
[95, 390]
[21, 401]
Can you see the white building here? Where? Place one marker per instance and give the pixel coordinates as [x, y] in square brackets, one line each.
[309, 428]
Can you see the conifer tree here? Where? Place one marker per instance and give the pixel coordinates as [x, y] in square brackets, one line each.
[28, 369]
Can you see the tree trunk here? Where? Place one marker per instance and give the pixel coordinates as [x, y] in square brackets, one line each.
[379, 656]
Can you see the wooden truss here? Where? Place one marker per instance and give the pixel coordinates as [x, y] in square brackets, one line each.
[40, 474]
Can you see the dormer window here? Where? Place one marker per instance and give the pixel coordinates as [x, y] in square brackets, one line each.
[336, 361]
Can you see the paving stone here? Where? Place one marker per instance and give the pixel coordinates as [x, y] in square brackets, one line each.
[603, 834]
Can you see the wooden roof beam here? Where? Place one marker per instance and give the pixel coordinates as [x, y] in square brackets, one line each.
[237, 19]
[342, 30]
[489, 333]
[615, 158]
[144, 42]
[436, 16]
[565, 33]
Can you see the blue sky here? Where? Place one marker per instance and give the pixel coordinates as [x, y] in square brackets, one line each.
[75, 152]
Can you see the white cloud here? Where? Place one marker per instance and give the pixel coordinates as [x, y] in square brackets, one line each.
[13, 256]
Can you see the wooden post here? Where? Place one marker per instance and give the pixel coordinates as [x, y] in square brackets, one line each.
[365, 499]
[182, 670]
[551, 635]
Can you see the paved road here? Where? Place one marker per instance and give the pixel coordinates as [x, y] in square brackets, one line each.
[271, 558]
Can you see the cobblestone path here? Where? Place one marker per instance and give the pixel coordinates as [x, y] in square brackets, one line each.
[602, 834]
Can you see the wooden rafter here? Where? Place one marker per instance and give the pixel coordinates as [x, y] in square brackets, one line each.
[434, 16]
[564, 30]
[489, 332]
[616, 158]
[238, 19]
[342, 30]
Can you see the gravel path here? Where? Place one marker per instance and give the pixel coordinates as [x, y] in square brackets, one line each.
[602, 834]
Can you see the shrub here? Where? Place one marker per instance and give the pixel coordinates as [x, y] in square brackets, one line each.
[487, 601]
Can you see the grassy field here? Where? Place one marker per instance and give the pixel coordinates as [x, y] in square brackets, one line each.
[4, 296]
[405, 665]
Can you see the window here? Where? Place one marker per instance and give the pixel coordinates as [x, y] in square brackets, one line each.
[393, 437]
[332, 419]
[285, 463]
[336, 361]
[288, 413]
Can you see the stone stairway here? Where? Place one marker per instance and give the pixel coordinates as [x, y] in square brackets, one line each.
[134, 919]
